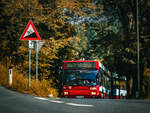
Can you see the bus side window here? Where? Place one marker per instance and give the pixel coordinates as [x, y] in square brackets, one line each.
[97, 78]
[102, 77]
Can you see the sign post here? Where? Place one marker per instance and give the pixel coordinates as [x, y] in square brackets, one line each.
[37, 60]
[29, 80]
[30, 33]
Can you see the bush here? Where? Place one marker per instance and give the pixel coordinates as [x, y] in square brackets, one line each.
[20, 83]
[4, 75]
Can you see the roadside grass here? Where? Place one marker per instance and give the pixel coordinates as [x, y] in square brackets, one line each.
[20, 83]
[4, 75]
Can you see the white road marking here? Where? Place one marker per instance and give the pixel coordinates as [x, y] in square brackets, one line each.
[83, 105]
[60, 102]
[41, 98]
[56, 101]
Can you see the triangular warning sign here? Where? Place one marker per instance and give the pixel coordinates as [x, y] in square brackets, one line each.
[30, 33]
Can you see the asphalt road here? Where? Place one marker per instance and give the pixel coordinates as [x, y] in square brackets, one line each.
[13, 102]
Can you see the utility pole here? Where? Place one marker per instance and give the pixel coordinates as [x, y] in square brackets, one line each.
[138, 49]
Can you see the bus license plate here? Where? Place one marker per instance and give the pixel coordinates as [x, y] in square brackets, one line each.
[79, 96]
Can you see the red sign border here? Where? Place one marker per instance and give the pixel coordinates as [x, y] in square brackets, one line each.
[30, 38]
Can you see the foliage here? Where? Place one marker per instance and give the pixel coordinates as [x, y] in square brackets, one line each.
[126, 56]
[20, 83]
[53, 23]
[4, 75]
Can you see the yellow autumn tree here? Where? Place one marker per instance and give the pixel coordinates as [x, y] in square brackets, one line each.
[53, 22]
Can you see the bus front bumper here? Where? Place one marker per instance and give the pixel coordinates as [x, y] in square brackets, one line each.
[80, 93]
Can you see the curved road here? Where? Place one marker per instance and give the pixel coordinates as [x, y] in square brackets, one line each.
[14, 102]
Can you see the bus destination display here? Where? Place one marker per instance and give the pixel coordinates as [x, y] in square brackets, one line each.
[75, 65]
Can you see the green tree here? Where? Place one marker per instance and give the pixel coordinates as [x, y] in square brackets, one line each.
[124, 48]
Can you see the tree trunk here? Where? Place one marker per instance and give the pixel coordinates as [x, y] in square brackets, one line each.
[130, 86]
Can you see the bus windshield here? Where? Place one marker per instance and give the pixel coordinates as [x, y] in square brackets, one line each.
[81, 77]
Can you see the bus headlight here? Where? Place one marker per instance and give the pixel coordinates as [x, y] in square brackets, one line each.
[93, 93]
[66, 93]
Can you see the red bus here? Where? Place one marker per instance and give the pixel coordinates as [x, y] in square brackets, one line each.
[85, 79]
